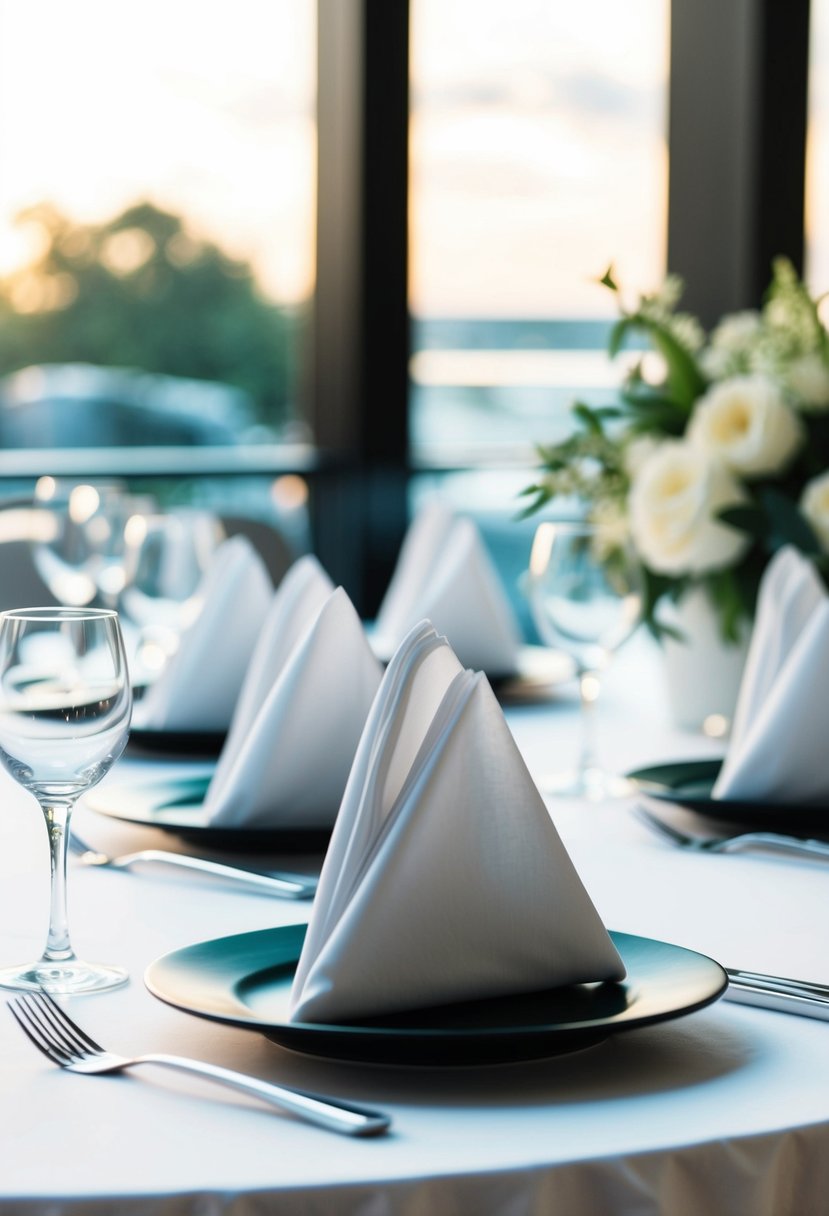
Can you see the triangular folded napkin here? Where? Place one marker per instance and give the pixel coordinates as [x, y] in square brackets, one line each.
[778, 748]
[199, 686]
[308, 691]
[444, 574]
[445, 879]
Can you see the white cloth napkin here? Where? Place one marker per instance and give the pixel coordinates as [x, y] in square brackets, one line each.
[444, 574]
[298, 722]
[445, 879]
[304, 588]
[778, 749]
[199, 687]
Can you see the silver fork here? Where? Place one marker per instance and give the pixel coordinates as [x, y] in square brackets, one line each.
[288, 886]
[732, 844]
[60, 1039]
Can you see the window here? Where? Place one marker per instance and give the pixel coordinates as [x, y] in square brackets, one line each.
[538, 156]
[156, 221]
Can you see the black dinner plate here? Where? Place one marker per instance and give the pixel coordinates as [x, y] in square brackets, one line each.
[245, 980]
[688, 783]
[178, 742]
[176, 805]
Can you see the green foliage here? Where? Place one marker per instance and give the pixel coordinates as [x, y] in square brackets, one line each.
[141, 292]
[784, 343]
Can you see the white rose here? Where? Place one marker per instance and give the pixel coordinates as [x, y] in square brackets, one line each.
[808, 378]
[673, 502]
[814, 503]
[746, 423]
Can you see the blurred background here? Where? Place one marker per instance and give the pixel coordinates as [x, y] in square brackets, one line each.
[312, 262]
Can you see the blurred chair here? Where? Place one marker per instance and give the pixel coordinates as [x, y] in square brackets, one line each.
[20, 584]
[271, 545]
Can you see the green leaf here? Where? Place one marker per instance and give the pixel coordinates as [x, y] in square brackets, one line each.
[653, 410]
[788, 526]
[588, 417]
[685, 380]
[727, 597]
[751, 519]
[542, 496]
[607, 279]
[617, 336]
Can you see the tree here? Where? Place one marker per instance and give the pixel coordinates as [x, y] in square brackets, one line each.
[141, 291]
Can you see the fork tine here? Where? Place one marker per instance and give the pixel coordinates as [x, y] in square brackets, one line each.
[659, 825]
[34, 1033]
[38, 1013]
[78, 1039]
[52, 1034]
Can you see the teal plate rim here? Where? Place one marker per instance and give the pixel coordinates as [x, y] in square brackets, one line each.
[227, 980]
[688, 784]
[175, 805]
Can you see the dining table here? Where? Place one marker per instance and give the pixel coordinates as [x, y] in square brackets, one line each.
[722, 1110]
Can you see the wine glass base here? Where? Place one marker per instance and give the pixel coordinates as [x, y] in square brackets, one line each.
[67, 978]
[589, 784]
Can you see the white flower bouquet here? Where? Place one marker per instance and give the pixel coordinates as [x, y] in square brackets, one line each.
[716, 453]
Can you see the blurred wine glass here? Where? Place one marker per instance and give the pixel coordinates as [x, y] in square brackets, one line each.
[65, 703]
[585, 593]
[166, 557]
[82, 561]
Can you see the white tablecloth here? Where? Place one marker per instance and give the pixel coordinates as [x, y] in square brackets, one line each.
[723, 1111]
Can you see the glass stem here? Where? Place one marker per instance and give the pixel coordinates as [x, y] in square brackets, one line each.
[58, 946]
[589, 687]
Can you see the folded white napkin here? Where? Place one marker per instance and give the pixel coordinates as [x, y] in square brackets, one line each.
[304, 588]
[444, 574]
[199, 686]
[445, 879]
[778, 748]
[306, 697]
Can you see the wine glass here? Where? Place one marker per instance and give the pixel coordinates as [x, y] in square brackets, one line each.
[65, 703]
[165, 560]
[82, 559]
[585, 593]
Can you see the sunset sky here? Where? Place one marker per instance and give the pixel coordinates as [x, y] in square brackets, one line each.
[538, 138]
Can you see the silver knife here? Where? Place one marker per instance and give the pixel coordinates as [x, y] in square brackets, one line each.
[803, 997]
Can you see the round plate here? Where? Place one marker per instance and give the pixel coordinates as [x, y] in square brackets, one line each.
[176, 805]
[688, 783]
[245, 980]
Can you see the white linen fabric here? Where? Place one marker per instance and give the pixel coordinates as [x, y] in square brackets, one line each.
[445, 879]
[287, 758]
[199, 687]
[444, 574]
[778, 748]
[299, 597]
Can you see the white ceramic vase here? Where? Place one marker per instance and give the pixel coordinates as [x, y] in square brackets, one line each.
[702, 671]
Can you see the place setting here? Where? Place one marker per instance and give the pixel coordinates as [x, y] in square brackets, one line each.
[505, 960]
[773, 778]
[293, 703]
[445, 574]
